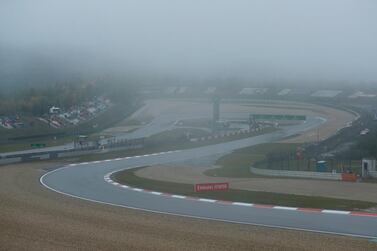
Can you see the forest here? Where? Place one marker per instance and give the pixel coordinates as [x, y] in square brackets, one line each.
[36, 101]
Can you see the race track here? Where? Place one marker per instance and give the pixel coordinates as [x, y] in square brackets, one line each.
[86, 181]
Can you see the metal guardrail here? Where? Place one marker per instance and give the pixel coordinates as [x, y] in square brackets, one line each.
[301, 174]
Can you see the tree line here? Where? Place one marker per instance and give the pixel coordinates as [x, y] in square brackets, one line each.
[37, 101]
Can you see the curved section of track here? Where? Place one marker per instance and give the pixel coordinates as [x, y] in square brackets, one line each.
[86, 181]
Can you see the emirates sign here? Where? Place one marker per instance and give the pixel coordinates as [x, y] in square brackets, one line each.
[211, 187]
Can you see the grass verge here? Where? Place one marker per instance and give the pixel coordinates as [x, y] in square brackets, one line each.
[159, 143]
[26, 145]
[129, 177]
[237, 163]
[171, 139]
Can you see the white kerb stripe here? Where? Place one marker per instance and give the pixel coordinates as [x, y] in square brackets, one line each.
[335, 212]
[156, 193]
[242, 204]
[285, 208]
[207, 200]
[179, 196]
[137, 189]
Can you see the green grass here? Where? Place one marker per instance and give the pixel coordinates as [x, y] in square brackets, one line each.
[175, 136]
[201, 122]
[27, 144]
[145, 119]
[186, 145]
[117, 154]
[128, 177]
[235, 166]
[237, 163]
[153, 146]
[39, 129]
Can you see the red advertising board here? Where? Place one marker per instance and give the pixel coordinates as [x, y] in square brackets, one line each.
[349, 177]
[211, 187]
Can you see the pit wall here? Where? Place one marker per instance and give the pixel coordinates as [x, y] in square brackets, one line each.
[298, 174]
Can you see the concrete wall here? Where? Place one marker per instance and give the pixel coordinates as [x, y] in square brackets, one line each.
[38, 157]
[373, 174]
[10, 161]
[300, 174]
[62, 154]
[76, 153]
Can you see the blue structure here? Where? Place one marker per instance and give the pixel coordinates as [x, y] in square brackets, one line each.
[321, 166]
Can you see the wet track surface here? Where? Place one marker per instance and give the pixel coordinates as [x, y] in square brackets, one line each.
[86, 181]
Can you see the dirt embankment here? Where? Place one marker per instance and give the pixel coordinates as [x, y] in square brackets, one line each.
[34, 218]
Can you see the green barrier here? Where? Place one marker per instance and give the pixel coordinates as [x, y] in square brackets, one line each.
[278, 117]
[38, 145]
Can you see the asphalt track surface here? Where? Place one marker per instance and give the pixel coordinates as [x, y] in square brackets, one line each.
[86, 181]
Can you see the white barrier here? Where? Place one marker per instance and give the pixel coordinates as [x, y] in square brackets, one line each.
[300, 174]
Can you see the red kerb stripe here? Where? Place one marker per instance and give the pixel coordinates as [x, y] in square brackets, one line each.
[364, 214]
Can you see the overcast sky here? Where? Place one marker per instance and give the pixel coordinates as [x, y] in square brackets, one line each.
[334, 40]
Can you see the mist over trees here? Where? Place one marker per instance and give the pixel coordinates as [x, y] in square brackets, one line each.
[305, 42]
[37, 100]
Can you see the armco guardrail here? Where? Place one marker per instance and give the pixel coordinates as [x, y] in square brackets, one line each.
[300, 174]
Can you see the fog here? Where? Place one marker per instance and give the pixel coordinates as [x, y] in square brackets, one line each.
[261, 41]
